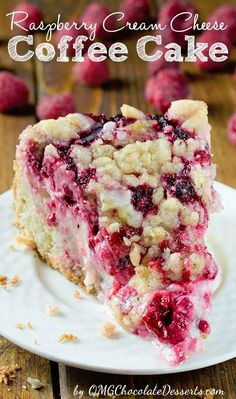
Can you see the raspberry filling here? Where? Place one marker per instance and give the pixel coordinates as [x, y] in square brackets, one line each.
[169, 316]
[142, 199]
[180, 187]
[204, 327]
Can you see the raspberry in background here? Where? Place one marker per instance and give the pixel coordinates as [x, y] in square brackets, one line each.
[73, 32]
[212, 37]
[96, 12]
[231, 132]
[13, 92]
[167, 12]
[135, 10]
[156, 66]
[226, 14]
[166, 86]
[91, 73]
[34, 14]
[51, 107]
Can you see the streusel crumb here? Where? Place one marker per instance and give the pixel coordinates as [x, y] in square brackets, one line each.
[8, 373]
[52, 310]
[108, 330]
[3, 280]
[67, 338]
[29, 325]
[15, 280]
[19, 326]
[76, 294]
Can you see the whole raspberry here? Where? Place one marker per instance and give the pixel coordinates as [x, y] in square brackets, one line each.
[212, 37]
[226, 14]
[96, 12]
[73, 32]
[169, 10]
[135, 10]
[13, 92]
[168, 85]
[231, 132]
[92, 73]
[35, 15]
[51, 107]
[156, 66]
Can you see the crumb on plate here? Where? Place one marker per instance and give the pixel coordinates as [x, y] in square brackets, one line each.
[15, 280]
[52, 310]
[3, 280]
[19, 326]
[67, 338]
[108, 330]
[76, 294]
[8, 373]
[29, 325]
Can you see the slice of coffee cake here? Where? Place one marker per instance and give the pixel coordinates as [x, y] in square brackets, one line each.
[121, 206]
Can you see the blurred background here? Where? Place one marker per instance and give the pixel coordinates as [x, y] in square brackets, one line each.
[126, 82]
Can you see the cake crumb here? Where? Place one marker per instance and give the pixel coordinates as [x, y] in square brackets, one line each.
[8, 373]
[19, 326]
[108, 330]
[67, 338]
[35, 342]
[15, 280]
[76, 294]
[29, 325]
[34, 382]
[3, 280]
[27, 242]
[52, 310]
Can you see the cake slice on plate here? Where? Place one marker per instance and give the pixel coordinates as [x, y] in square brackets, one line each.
[120, 206]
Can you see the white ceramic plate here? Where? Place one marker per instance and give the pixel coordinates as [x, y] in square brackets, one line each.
[127, 354]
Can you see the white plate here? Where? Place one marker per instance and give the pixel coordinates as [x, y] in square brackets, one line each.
[127, 354]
